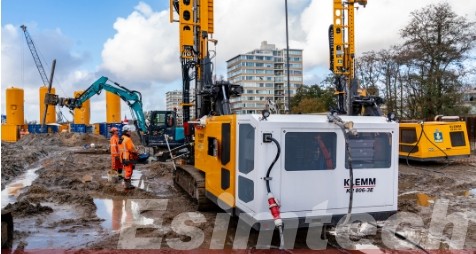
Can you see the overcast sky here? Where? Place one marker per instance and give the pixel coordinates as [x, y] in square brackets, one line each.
[133, 43]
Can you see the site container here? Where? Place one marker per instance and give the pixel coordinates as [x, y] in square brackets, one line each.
[37, 129]
[10, 133]
[77, 128]
[110, 125]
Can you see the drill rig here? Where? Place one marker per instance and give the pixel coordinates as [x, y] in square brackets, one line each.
[246, 163]
[342, 63]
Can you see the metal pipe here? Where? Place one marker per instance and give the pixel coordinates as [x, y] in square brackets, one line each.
[49, 91]
[287, 58]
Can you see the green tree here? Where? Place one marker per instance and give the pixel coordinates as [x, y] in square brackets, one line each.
[312, 99]
[437, 42]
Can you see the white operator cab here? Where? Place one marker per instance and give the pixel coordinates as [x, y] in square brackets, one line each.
[310, 179]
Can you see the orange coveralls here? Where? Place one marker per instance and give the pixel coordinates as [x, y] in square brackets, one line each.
[115, 154]
[129, 153]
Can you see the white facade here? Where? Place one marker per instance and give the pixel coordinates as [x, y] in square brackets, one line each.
[263, 75]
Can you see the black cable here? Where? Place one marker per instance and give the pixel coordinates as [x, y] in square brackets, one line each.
[272, 164]
[400, 236]
[415, 146]
[423, 133]
[351, 177]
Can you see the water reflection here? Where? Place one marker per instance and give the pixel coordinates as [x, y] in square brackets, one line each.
[119, 213]
[14, 189]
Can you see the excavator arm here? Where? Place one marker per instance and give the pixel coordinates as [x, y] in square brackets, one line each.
[131, 97]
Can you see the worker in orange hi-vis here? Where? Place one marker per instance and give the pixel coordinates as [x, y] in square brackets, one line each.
[129, 157]
[115, 153]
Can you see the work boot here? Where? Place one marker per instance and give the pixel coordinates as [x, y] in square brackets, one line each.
[119, 172]
[128, 185]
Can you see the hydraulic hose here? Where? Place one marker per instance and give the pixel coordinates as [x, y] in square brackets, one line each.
[273, 205]
[351, 179]
[339, 122]
[272, 164]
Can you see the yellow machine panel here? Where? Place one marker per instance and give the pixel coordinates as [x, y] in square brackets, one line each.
[82, 115]
[186, 20]
[10, 132]
[215, 156]
[207, 15]
[339, 45]
[51, 113]
[15, 106]
[434, 140]
[113, 108]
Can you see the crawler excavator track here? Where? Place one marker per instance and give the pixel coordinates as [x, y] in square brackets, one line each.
[192, 181]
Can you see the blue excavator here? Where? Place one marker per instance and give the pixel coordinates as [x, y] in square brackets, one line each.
[157, 130]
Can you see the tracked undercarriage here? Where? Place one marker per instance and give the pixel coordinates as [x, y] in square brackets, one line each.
[192, 181]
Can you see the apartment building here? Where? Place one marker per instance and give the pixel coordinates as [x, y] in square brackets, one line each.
[263, 75]
[173, 100]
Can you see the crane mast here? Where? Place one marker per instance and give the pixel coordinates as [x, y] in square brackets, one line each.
[196, 25]
[36, 58]
[342, 62]
[195, 18]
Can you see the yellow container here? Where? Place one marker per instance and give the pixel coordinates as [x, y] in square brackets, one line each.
[82, 115]
[10, 133]
[113, 108]
[96, 128]
[51, 114]
[15, 106]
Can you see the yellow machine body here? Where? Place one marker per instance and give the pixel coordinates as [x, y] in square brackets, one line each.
[82, 115]
[215, 156]
[113, 108]
[434, 140]
[51, 113]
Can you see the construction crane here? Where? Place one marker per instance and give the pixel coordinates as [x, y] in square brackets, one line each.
[46, 82]
[247, 162]
[36, 58]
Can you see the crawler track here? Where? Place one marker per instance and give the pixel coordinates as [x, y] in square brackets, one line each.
[192, 181]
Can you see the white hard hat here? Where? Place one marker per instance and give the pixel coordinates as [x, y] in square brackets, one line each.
[126, 128]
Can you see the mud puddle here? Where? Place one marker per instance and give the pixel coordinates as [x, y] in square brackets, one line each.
[58, 230]
[15, 188]
[119, 212]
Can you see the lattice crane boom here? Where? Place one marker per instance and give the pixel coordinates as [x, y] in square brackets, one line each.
[36, 58]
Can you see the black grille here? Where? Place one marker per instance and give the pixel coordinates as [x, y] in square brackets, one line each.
[457, 138]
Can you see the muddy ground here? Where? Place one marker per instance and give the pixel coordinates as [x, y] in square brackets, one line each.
[58, 190]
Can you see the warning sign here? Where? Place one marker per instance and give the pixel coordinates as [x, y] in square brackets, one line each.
[438, 136]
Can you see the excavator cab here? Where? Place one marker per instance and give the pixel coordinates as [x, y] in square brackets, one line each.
[163, 124]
